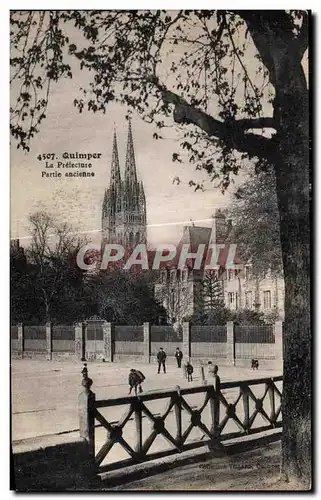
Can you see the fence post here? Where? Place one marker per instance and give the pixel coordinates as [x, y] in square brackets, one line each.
[20, 340]
[146, 327]
[230, 343]
[86, 409]
[85, 337]
[49, 340]
[203, 374]
[278, 339]
[108, 341]
[79, 341]
[186, 341]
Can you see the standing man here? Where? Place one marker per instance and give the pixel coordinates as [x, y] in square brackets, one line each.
[179, 357]
[161, 357]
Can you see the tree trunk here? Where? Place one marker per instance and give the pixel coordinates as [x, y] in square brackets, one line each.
[292, 174]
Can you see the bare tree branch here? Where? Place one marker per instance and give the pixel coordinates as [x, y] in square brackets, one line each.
[232, 134]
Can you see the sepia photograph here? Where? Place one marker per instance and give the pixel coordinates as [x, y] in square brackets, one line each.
[160, 200]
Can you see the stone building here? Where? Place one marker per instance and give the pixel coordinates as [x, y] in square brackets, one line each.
[16, 250]
[124, 205]
[179, 290]
[243, 291]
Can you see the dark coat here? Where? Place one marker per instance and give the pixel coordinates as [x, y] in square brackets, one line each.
[189, 369]
[178, 354]
[161, 356]
[135, 378]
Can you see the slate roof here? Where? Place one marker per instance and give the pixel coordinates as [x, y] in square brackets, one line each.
[195, 235]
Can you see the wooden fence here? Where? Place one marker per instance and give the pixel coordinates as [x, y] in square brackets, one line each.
[184, 419]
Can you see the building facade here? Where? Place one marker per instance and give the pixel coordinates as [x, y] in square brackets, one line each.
[124, 204]
[180, 290]
[243, 291]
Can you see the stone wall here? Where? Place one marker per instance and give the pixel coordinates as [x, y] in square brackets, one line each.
[208, 350]
[237, 347]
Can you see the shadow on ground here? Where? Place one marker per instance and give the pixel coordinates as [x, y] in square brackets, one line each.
[64, 467]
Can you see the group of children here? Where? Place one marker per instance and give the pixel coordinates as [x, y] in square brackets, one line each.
[136, 377]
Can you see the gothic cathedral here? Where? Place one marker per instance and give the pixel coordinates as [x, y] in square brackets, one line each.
[124, 205]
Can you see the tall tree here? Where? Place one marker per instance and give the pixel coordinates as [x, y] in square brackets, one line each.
[20, 306]
[175, 295]
[56, 279]
[124, 297]
[256, 228]
[212, 292]
[225, 77]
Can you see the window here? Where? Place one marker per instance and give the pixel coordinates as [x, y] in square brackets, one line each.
[248, 300]
[267, 299]
[173, 274]
[230, 274]
[163, 276]
[248, 273]
[233, 300]
[184, 274]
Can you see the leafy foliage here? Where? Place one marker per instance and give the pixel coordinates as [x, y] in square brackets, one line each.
[220, 316]
[151, 61]
[50, 276]
[256, 224]
[248, 317]
[124, 298]
[47, 284]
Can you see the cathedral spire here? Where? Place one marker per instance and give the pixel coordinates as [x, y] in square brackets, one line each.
[115, 171]
[124, 204]
[130, 165]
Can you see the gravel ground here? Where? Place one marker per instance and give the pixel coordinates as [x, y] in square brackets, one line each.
[255, 470]
[44, 404]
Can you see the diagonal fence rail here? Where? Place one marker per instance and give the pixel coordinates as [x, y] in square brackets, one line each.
[185, 419]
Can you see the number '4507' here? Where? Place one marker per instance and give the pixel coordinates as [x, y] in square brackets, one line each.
[46, 156]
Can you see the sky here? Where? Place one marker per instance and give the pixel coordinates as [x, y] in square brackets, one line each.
[78, 201]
